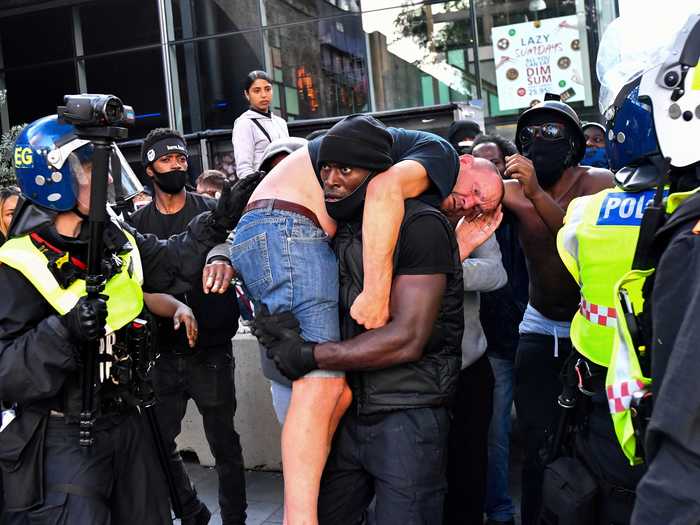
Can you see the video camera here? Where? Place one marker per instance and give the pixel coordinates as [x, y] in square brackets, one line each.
[96, 110]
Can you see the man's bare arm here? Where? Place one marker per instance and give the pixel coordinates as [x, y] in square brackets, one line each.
[415, 304]
[382, 217]
[520, 168]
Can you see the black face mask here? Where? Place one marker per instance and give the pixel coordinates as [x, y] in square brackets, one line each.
[550, 160]
[171, 182]
[349, 208]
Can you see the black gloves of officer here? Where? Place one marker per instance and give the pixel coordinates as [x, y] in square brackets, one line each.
[86, 320]
[279, 334]
[233, 200]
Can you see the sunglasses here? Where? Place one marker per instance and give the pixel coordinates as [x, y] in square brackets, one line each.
[550, 131]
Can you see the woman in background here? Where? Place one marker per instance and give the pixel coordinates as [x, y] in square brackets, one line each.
[257, 126]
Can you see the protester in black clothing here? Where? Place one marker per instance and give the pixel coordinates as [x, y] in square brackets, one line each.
[501, 312]
[203, 373]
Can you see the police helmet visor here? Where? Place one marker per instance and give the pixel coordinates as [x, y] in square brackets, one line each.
[122, 183]
[626, 50]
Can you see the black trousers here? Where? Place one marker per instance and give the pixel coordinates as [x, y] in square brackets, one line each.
[536, 388]
[398, 456]
[599, 449]
[467, 457]
[116, 481]
[207, 378]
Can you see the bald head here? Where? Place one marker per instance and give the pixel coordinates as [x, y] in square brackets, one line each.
[479, 189]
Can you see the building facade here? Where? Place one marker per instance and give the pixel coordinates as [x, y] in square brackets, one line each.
[182, 63]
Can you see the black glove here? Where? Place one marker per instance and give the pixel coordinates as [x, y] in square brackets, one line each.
[279, 334]
[234, 199]
[264, 319]
[86, 320]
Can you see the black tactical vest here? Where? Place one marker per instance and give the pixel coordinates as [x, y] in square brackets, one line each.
[430, 381]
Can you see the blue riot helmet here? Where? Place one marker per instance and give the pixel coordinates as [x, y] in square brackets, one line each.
[630, 134]
[650, 91]
[54, 166]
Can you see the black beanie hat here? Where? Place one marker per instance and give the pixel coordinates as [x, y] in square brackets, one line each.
[359, 141]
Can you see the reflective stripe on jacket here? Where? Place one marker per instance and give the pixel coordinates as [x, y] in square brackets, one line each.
[597, 244]
[624, 377]
[125, 297]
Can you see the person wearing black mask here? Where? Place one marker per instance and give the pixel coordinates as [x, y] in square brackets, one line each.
[203, 373]
[546, 176]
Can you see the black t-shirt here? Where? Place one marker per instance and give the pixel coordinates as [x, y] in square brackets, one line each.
[424, 248]
[149, 220]
[434, 153]
[216, 314]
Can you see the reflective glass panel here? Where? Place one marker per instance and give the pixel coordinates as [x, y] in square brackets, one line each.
[143, 88]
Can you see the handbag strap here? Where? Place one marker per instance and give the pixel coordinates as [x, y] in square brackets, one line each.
[260, 126]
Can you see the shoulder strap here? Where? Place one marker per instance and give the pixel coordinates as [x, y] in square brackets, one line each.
[261, 128]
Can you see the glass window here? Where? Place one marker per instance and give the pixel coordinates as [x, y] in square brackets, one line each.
[285, 11]
[143, 87]
[323, 65]
[193, 18]
[421, 54]
[36, 37]
[109, 25]
[210, 75]
[35, 92]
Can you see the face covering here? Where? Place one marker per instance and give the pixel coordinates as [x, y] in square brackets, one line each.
[349, 208]
[550, 160]
[596, 157]
[171, 182]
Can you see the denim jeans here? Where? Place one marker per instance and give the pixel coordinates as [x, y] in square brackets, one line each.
[499, 505]
[286, 263]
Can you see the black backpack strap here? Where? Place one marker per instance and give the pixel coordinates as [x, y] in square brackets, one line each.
[652, 221]
[261, 128]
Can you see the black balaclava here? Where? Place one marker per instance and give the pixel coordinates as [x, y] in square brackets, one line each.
[358, 141]
[171, 182]
[350, 207]
[550, 158]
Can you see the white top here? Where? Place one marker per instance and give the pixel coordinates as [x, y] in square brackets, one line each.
[249, 142]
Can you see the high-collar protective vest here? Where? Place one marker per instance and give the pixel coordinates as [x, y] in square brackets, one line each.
[624, 378]
[597, 245]
[125, 297]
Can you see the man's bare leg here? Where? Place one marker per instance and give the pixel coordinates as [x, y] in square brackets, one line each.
[315, 410]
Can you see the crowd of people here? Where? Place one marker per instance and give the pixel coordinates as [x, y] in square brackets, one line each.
[406, 290]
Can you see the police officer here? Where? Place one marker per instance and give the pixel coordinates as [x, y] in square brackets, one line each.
[45, 319]
[666, 96]
[597, 244]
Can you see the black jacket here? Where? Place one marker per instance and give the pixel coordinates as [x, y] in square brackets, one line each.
[429, 381]
[668, 492]
[38, 365]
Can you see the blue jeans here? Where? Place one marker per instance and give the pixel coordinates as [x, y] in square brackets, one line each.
[286, 262]
[499, 505]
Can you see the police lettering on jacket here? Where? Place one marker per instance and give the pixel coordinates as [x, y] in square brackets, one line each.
[624, 209]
